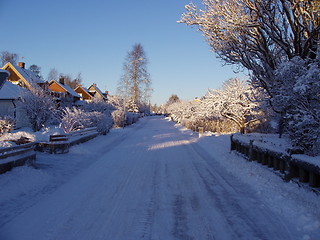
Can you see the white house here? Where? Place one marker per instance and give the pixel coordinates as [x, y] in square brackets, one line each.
[10, 102]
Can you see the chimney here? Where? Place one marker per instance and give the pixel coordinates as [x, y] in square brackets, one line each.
[107, 92]
[61, 80]
[94, 85]
[21, 64]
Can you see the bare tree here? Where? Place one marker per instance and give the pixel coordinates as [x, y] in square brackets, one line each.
[8, 57]
[53, 75]
[135, 82]
[67, 80]
[36, 69]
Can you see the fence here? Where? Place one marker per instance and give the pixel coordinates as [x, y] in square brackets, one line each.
[61, 143]
[290, 166]
[16, 156]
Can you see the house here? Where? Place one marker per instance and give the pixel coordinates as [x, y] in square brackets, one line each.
[21, 76]
[10, 100]
[63, 92]
[84, 93]
[97, 93]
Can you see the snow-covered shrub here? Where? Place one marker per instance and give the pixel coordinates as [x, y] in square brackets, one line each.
[131, 117]
[102, 120]
[99, 113]
[6, 124]
[119, 118]
[38, 106]
[74, 119]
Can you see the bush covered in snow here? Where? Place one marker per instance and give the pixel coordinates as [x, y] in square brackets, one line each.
[119, 118]
[6, 124]
[75, 118]
[131, 117]
[100, 116]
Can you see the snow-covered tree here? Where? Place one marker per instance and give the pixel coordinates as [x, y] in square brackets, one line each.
[132, 106]
[38, 106]
[258, 35]
[268, 38]
[236, 101]
[299, 101]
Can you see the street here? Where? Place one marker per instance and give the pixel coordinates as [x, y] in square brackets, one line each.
[154, 183]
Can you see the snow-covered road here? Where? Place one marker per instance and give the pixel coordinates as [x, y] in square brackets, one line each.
[153, 182]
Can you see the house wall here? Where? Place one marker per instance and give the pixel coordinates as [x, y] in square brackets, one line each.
[84, 95]
[14, 78]
[13, 109]
[56, 88]
[7, 108]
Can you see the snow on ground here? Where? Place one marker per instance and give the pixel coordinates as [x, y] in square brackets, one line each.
[153, 180]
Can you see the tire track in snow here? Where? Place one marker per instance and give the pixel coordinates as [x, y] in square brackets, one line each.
[245, 215]
[180, 228]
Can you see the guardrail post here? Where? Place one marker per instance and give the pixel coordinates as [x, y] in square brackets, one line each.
[303, 175]
[270, 161]
[233, 146]
[200, 130]
[250, 157]
[276, 163]
[293, 171]
[314, 180]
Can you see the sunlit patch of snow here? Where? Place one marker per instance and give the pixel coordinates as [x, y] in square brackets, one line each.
[160, 136]
[170, 144]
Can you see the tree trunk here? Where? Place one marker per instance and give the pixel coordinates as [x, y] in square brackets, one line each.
[242, 127]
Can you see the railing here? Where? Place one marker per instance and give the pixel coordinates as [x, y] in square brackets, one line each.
[16, 156]
[61, 143]
[83, 132]
[288, 165]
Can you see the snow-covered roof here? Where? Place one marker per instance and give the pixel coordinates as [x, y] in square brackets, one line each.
[4, 71]
[84, 89]
[4, 74]
[67, 88]
[28, 75]
[97, 90]
[11, 91]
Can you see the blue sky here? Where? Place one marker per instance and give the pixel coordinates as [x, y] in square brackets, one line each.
[93, 37]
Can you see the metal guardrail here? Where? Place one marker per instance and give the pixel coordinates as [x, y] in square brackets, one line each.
[61, 143]
[16, 156]
[289, 166]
